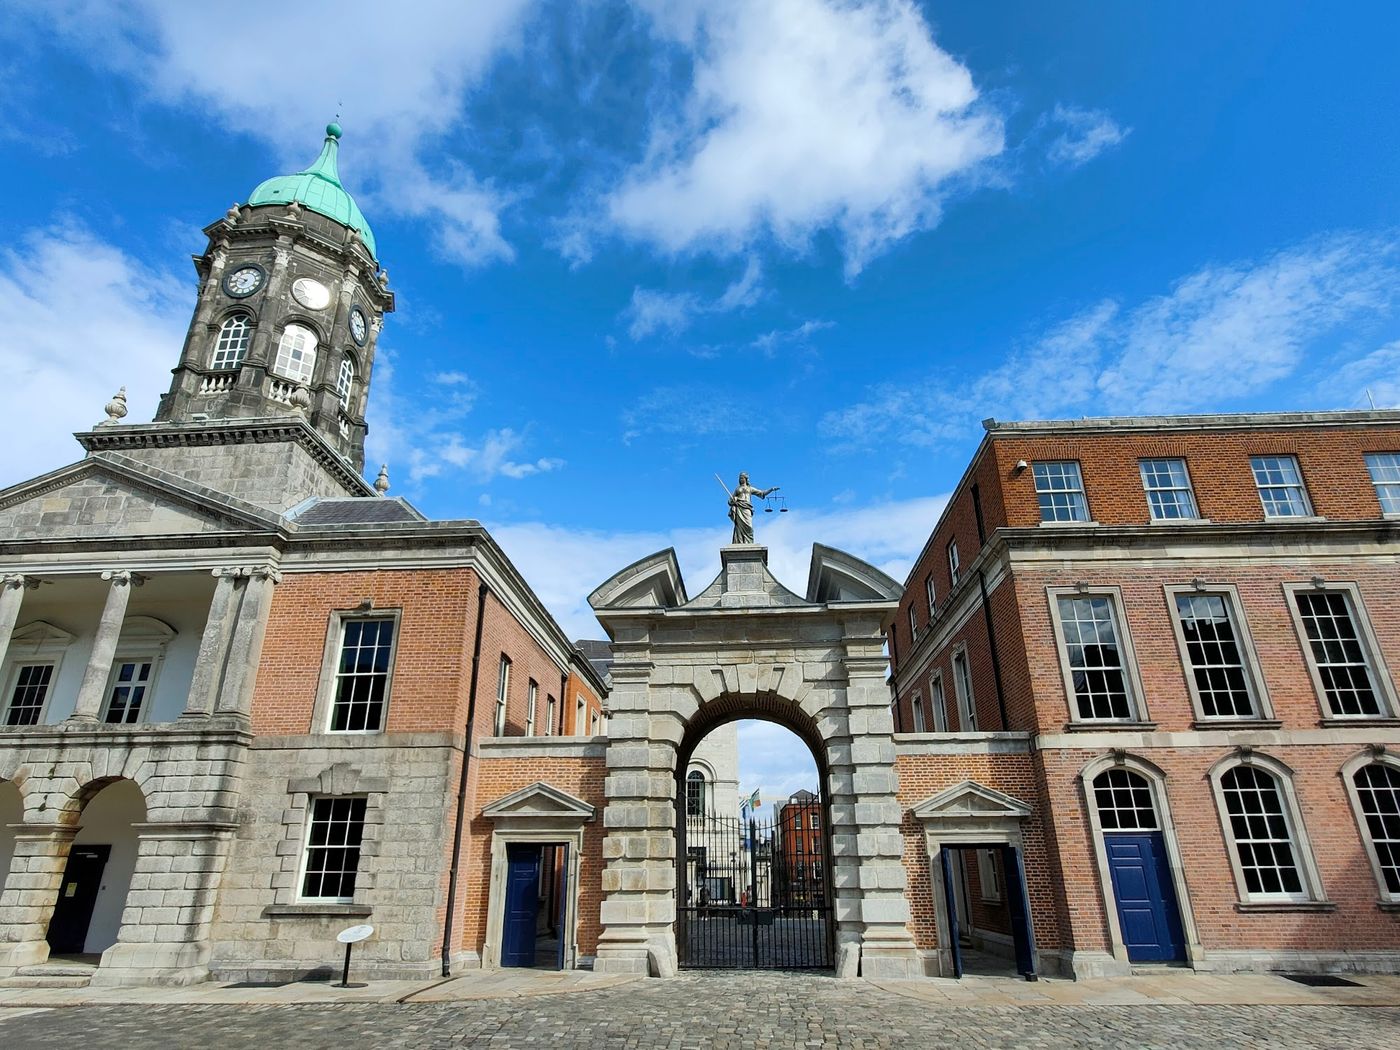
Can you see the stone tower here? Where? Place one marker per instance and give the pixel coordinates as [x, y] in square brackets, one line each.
[290, 307]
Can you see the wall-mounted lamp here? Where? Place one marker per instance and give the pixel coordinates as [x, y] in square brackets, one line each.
[1020, 466]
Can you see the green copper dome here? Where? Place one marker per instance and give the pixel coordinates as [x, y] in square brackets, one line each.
[319, 188]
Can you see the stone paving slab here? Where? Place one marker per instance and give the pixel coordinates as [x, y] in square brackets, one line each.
[710, 1011]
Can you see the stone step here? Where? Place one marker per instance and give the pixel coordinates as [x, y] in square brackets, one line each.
[47, 981]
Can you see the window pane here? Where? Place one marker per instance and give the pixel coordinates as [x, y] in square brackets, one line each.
[333, 847]
[1378, 788]
[1214, 656]
[1280, 486]
[1168, 489]
[1263, 841]
[345, 382]
[362, 680]
[1337, 653]
[296, 354]
[1060, 492]
[31, 689]
[695, 794]
[131, 678]
[1096, 668]
[1385, 475]
[1124, 801]
[232, 343]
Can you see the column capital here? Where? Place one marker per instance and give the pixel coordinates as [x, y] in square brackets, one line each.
[124, 578]
[19, 580]
[266, 573]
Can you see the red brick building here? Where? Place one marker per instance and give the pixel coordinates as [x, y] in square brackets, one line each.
[1171, 640]
[802, 845]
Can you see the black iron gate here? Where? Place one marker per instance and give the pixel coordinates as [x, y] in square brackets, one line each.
[755, 895]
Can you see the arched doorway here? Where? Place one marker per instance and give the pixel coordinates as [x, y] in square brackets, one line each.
[747, 646]
[753, 886]
[92, 896]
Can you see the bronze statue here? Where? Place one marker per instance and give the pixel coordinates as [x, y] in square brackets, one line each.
[741, 509]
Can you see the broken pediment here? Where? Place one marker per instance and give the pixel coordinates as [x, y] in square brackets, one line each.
[745, 582]
[102, 500]
[539, 801]
[654, 582]
[836, 576]
[971, 801]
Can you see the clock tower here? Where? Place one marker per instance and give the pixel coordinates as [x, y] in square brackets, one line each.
[291, 303]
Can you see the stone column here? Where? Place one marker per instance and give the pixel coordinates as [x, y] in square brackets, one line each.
[213, 646]
[104, 645]
[164, 936]
[12, 588]
[30, 893]
[244, 651]
[886, 948]
[639, 844]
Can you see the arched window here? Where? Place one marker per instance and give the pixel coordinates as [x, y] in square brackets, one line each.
[345, 382]
[1261, 828]
[232, 343]
[1378, 795]
[695, 794]
[296, 354]
[1124, 801]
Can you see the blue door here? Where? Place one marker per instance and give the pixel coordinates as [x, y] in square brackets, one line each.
[1147, 909]
[522, 905]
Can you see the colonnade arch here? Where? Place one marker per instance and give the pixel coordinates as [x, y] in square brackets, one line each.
[747, 646]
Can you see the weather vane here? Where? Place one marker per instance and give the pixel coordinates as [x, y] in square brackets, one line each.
[741, 506]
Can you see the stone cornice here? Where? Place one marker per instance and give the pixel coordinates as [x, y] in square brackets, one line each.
[1213, 421]
[162, 734]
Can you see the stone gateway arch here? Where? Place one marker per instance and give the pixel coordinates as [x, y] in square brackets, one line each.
[748, 647]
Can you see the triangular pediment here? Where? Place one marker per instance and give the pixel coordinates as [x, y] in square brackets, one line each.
[108, 496]
[971, 801]
[541, 801]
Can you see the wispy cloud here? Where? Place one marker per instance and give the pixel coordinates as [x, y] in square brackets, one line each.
[690, 410]
[803, 116]
[127, 333]
[1220, 334]
[769, 343]
[1083, 135]
[652, 311]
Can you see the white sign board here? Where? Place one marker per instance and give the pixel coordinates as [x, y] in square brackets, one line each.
[354, 935]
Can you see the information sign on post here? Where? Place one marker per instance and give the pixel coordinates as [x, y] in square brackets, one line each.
[351, 937]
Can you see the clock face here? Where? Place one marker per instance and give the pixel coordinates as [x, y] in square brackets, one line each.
[357, 325]
[310, 293]
[244, 281]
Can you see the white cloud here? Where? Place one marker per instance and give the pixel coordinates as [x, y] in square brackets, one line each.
[280, 71]
[82, 318]
[1373, 379]
[564, 565]
[688, 410]
[1223, 333]
[804, 115]
[1086, 133]
[671, 313]
[774, 761]
[769, 343]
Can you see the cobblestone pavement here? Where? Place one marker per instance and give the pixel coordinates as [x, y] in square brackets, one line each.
[700, 1011]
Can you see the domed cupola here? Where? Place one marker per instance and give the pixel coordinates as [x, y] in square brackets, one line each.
[318, 188]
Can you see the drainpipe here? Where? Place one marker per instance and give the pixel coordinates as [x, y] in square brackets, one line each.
[987, 610]
[481, 594]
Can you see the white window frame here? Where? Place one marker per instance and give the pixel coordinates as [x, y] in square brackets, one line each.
[988, 877]
[954, 562]
[1381, 683]
[330, 668]
[580, 709]
[499, 720]
[531, 702]
[229, 358]
[938, 702]
[931, 593]
[306, 850]
[1132, 680]
[1244, 642]
[138, 657]
[913, 623]
[1078, 506]
[284, 365]
[1301, 486]
[917, 706]
[593, 720]
[1312, 892]
[550, 710]
[697, 776]
[36, 643]
[143, 639]
[1390, 479]
[1350, 769]
[962, 689]
[1189, 489]
[345, 378]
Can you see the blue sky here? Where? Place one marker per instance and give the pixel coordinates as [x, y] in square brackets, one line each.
[638, 243]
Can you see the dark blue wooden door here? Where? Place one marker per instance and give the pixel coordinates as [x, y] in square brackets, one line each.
[950, 897]
[522, 905]
[1147, 909]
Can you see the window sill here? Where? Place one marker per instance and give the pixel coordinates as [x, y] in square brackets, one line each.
[1236, 723]
[282, 911]
[1358, 720]
[1094, 727]
[1301, 519]
[1178, 521]
[1266, 907]
[1388, 905]
[1067, 524]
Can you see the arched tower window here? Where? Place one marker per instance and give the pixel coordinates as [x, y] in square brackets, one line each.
[695, 794]
[345, 382]
[296, 353]
[1378, 792]
[232, 343]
